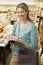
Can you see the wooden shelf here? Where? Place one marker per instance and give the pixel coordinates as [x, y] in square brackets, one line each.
[40, 17]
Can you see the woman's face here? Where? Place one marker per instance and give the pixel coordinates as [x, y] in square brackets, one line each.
[22, 14]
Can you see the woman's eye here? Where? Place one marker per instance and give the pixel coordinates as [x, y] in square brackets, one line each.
[20, 12]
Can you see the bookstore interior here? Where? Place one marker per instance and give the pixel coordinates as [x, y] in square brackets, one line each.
[8, 13]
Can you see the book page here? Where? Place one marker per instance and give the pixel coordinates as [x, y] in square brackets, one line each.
[11, 38]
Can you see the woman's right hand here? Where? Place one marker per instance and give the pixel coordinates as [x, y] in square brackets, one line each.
[25, 46]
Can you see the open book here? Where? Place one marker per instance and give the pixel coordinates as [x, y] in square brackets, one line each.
[14, 40]
[11, 38]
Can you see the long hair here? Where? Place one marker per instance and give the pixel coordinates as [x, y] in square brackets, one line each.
[24, 6]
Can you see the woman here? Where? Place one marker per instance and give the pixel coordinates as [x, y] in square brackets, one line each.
[25, 31]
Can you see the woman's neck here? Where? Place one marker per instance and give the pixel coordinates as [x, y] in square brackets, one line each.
[25, 21]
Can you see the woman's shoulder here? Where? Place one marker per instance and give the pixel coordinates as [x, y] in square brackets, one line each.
[32, 24]
[16, 22]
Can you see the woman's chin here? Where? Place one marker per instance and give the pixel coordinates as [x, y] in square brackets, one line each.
[21, 19]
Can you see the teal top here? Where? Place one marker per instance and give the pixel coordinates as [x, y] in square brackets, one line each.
[27, 35]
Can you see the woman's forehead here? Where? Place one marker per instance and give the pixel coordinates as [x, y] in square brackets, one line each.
[20, 9]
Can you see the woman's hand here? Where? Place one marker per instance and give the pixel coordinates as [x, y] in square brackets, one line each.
[25, 46]
[20, 43]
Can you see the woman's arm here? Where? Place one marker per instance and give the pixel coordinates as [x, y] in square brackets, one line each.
[20, 43]
[34, 38]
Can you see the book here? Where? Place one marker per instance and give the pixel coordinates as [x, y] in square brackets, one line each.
[14, 40]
